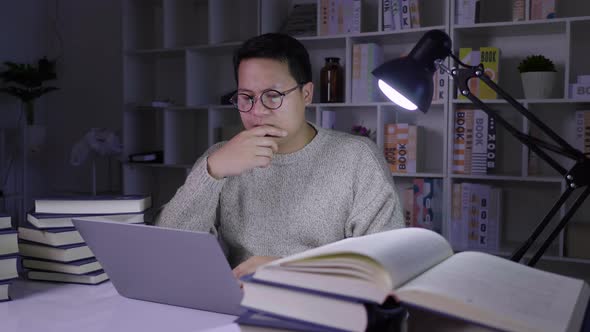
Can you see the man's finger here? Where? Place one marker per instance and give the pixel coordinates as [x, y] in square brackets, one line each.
[266, 130]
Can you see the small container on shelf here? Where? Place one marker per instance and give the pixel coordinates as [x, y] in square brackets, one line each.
[332, 81]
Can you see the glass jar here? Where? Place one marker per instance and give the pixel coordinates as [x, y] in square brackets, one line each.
[332, 82]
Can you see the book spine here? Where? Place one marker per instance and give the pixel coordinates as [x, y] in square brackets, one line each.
[324, 17]
[456, 203]
[490, 59]
[473, 215]
[387, 16]
[402, 136]
[582, 131]
[356, 16]
[458, 166]
[480, 136]
[396, 15]
[409, 217]
[405, 15]
[465, 217]
[494, 213]
[389, 147]
[419, 206]
[356, 73]
[491, 145]
[414, 14]
[518, 10]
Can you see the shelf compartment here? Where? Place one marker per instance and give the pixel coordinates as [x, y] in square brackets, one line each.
[143, 24]
[236, 20]
[185, 22]
[211, 63]
[431, 135]
[155, 77]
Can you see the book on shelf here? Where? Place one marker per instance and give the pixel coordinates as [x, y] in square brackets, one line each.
[518, 10]
[427, 204]
[365, 58]
[402, 147]
[474, 142]
[91, 278]
[338, 17]
[81, 266]
[8, 267]
[476, 217]
[93, 204]
[542, 9]
[5, 221]
[421, 270]
[302, 20]
[489, 57]
[67, 253]
[56, 220]
[414, 14]
[8, 242]
[467, 11]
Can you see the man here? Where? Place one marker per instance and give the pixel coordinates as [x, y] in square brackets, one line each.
[282, 185]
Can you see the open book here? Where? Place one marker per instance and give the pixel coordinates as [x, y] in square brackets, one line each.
[420, 268]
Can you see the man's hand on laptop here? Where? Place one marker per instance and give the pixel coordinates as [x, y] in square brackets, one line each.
[249, 266]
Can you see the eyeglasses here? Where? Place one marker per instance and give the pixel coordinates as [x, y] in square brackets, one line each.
[271, 99]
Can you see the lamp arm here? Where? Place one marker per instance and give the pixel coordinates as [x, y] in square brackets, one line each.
[580, 172]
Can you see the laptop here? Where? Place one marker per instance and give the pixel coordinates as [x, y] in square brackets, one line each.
[163, 265]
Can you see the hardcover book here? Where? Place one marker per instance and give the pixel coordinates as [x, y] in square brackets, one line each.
[92, 278]
[67, 253]
[8, 242]
[93, 204]
[419, 267]
[55, 220]
[81, 266]
[8, 267]
[5, 221]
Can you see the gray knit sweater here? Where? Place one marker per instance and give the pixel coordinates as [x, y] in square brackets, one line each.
[337, 186]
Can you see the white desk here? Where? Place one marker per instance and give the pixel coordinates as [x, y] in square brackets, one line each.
[53, 307]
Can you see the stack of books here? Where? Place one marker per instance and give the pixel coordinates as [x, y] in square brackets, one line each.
[344, 285]
[52, 248]
[340, 16]
[365, 58]
[476, 217]
[401, 147]
[8, 256]
[422, 204]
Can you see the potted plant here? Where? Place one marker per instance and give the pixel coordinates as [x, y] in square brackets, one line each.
[25, 81]
[538, 76]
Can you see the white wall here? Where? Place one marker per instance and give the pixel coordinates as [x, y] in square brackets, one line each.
[22, 40]
[89, 79]
[90, 93]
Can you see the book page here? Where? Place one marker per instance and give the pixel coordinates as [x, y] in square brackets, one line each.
[499, 293]
[403, 253]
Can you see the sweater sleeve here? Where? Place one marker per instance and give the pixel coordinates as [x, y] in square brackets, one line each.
[376, 206]
[194, 206]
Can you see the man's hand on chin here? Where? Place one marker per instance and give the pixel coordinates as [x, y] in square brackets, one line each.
[249, 266]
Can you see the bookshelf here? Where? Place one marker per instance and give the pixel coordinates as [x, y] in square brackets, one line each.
[182, 49]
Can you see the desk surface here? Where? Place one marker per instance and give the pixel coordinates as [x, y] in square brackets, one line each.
[49, 307]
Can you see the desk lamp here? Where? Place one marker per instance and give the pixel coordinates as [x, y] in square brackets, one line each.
[408, 82]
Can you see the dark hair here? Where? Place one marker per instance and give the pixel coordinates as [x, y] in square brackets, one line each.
[278, 47]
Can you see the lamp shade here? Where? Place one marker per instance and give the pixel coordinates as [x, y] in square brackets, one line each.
[407, 81]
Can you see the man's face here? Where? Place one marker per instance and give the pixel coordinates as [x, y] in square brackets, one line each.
[257, 75]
